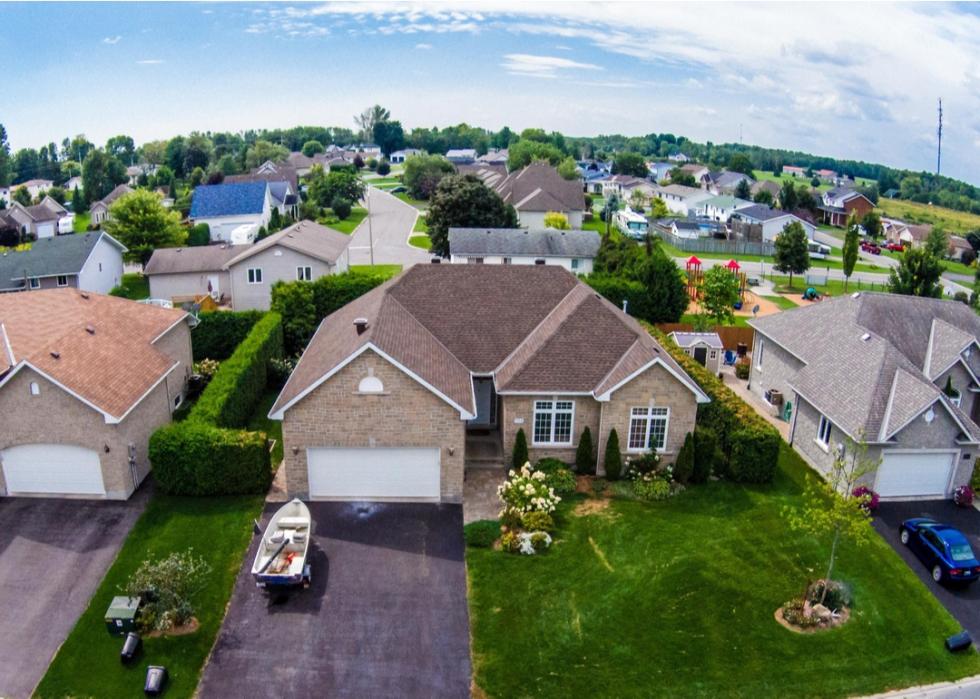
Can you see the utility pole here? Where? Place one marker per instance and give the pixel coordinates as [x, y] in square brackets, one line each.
[939, 133]
[367, 200]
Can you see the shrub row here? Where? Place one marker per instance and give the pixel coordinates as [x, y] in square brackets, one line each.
[241, 379]
[206, 454]
[749, 444]
[194, 458]
[218, 333]
[303, 305]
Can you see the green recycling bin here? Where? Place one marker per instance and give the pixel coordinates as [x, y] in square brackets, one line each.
[121, 616]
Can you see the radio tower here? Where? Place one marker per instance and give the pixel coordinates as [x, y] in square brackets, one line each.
[939, 133]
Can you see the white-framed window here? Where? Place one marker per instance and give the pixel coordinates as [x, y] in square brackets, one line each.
[255, 275]
[713, 354]
[758, 355]
[370, 384]
[648, 429]
[35, 283]
[62, 280]
[823, 431]
[553, 422]
[508, 260]
[304, 274]
[35, 389]
[178, 399]
[474, 260]
[575, 262]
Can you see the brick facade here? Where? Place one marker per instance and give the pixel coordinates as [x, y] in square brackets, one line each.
[406, 414]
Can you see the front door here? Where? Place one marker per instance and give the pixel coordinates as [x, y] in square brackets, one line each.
[701, 355]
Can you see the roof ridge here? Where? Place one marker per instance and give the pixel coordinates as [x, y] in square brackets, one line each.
[422, 325]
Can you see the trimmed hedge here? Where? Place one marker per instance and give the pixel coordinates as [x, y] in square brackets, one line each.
[218, 333]
[194, 458]
[749, 444]
[241, 379]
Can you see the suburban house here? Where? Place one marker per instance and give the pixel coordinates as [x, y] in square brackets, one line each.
[461, 156]
[84, 382]
[242, 275]
[35, 187]
[794, 171]
[693, 228]
[623, 186]
[678, 158]
[537, 189]
[74, 182]
[958, 246]
[660, 171]
[768, 186]
[896, 372]
[574, 250]
[400, 156]
[401, 388]
[680, 199]
[495, 156]
[700, 173]
[720, 208]
[826, 175]
[99, 211]
[283, 186]
[838, 204]
[726, 181]
[909, 235]
[44, 220]
[706, 348]
[86, 261]
[770, 221]
[234, 212]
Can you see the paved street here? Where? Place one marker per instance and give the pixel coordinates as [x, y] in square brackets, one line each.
[391, 225]
[53, 554]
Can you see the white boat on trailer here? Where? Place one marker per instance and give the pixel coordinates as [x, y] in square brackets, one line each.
[281, 558]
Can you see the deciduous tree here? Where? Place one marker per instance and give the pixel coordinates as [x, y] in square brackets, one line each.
[719, 293]
[556, 219]
[849, 253]
[792, 251]
[463, 200]
[101, 173]
[918, 274]
[423, 173]
[311, 148]
[140, 222]
[261, 151]
[629, 163]
[871, 223]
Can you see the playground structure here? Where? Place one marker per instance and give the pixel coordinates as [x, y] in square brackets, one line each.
[695, 279]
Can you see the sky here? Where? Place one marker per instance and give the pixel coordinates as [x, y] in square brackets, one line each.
[847, 80]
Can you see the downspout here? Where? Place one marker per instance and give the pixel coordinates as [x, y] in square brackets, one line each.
[598, 451]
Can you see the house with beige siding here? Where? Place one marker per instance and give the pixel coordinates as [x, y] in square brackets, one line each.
[897, 373]
[85, 379]
[438, 369]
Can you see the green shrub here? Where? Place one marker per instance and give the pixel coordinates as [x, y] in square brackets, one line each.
[837, 597]
[384, 168]
[168, 586]
[482, 533]
[705, 454]
[742, 370]
[294, 302]
[537, 521]
[341, 207]
[975, 478]
[520, 456]
[194, 458]
[240, 381]
[562, 481]
[684, 464]
[218, 333]
[749, 444]
[654, 489]
[549, 465]
[612, 462]
[199, 234]
[585, 453]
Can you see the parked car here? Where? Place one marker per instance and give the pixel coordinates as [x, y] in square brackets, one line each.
[944, 550]
[870, 246]
[895, 247]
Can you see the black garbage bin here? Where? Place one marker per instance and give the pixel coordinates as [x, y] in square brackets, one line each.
[131, 648]
[156, 678]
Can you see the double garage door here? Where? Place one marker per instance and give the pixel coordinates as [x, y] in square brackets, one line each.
[915, 474]
[382, 473]
[52, 469]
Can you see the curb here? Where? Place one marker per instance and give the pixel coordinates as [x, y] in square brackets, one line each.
[966, 687]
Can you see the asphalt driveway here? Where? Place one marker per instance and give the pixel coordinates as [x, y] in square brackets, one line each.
[386, 614]
[962, 603]
[392, 221]
[53, 554]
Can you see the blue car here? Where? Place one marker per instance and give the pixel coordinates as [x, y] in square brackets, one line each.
[944, 550]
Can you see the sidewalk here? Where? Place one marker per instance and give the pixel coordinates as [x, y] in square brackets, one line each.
[967, 687]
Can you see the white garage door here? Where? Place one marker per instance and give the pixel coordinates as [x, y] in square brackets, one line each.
[915, 474]
[55, 469]
[374, 474]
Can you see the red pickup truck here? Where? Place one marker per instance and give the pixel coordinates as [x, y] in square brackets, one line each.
[895, 247]
[870, 246]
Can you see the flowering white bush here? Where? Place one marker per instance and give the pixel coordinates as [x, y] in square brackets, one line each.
[526, 491]
[530, 543]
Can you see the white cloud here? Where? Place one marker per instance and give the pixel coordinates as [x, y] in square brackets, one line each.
[150, 62]
[112, 40]
[423, 47]
[542, 66]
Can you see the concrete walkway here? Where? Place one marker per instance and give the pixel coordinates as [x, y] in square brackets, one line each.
[741, 390]
[480, 499]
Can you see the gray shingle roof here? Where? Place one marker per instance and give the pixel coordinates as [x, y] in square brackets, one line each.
[855, 346]
[684, 339]
[761, 212]
[49, 257]
[546, 242]
[201, 258]
[539, 187]
[233, 199]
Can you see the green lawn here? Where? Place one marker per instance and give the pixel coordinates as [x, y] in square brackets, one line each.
[420, 241]
[816, 264]
[833, 287]
[348, 225]
[740, 321]
[217, 528]
[383, 181]
[417, 203]
[134, 286]
[784, 303]
[676, 599]
[955, 222]
[384, 270]
[81, 221]
[260, 421]
[421, 226]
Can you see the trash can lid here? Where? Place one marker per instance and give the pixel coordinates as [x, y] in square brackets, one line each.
[123, 607]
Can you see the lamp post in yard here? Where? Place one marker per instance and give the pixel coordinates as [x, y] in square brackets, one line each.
[367, 200]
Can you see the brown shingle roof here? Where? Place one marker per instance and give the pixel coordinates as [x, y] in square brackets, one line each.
[536, 328]
[200, 258]
[307, 237]
[539, 187]
[112, 367]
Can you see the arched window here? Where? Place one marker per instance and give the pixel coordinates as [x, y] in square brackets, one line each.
[370, 384]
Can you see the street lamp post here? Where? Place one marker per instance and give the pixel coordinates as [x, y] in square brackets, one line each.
[367, 199]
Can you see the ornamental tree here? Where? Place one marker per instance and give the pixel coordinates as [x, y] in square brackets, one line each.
[719, 293]
[463, 200]
[139, 221]
[849, 253]
[556, 219]
[792, 251]
[918, 274]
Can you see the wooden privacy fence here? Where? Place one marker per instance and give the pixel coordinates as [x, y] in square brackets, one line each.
[730, 336]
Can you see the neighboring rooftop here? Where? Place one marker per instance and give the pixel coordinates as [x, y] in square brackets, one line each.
[232, 199]
[689, 339]
[544, 242]
[200, 258]
[539, 187]
[307, 237]
[49, 257]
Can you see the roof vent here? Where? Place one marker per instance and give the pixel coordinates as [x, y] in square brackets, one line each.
[56, 355]
[866, 337]
[361, 324]
[855, 294]
[90, 329]
[436, 261]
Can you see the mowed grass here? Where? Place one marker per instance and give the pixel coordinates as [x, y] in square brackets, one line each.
[740, 321]
[348, 225]
[420, 204]
[81, 221]
[420, 241]
[218, 529]
[676, 599]
[386, 271]
[134, 286]
[955, 222]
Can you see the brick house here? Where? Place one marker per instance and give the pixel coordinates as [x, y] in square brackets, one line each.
[898, 372]
[838, 204]
[438, 369]
[85, 379]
